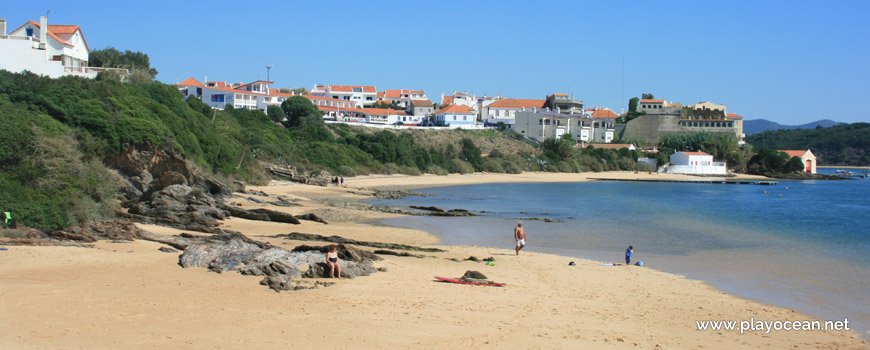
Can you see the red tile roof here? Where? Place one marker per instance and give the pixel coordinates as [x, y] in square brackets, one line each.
[275, 92]
[794, 153]
[383, 111]
[604, 114]
[735, 116]
[190, 82]
[393, 94]
[447, 100]
[696, 153]
[422, 103]
[52, 34]
[652, 101]
[517, 103]
[329, 108]
[456, 109]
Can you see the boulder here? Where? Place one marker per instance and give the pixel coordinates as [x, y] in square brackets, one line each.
[474, 275]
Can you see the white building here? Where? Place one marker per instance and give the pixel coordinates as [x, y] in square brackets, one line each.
[401, 97]
[543, 124]
[360, 95]
[464, 99]
[50, 50]
[252, 96]
[455, 116]
[505, 110]
[695, 163]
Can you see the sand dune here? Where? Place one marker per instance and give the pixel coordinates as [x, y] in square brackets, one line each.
[132, 296]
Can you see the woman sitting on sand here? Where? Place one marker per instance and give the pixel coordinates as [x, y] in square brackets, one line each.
[332, 262]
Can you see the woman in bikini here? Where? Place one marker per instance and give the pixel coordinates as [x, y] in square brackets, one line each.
[332, 262]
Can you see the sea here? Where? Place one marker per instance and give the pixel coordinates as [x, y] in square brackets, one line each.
[802, 245]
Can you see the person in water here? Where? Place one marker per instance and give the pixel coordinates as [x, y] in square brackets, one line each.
[332, 262]
[520, 237]
[628, 255]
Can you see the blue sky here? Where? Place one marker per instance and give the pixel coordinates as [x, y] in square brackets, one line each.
[787, 61]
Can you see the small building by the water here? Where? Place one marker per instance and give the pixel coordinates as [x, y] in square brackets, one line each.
[695, 163]
[807, 158]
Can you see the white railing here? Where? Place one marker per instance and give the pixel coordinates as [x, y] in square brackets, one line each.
[95, 70]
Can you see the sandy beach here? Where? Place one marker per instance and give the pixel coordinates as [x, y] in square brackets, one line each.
[133, 296]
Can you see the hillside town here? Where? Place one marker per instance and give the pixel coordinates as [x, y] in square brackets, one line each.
[61, 50]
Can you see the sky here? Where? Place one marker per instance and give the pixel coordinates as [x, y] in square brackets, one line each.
[791, 62]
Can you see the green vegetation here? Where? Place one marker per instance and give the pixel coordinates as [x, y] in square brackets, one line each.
[632, 111]
[771, 162]
[137, 62]
[845, 144]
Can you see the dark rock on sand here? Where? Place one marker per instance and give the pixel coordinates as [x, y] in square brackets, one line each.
[312, 217]
[473, 275]
[262, 215]
[336, 239]
[281, 268]
[390, 252]
[472, 258]
[167, 250]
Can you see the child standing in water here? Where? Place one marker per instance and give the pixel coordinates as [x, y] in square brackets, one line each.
[628, 255]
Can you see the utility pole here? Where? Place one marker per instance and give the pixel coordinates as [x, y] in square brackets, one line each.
[268, 72]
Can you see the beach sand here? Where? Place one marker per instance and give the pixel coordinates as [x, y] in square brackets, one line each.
[132, 296]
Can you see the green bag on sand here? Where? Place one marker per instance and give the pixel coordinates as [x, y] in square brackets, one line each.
[8, 217]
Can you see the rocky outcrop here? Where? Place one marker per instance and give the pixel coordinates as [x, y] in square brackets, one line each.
[148, 169]
[435, 211]
[281, 269]
[262, 215]
[336, 239]
[321, 178]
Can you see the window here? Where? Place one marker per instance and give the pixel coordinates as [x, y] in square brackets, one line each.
[540, 122]
[465, 117]
[28, 32]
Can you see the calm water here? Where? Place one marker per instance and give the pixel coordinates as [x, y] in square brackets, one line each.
[805, 250]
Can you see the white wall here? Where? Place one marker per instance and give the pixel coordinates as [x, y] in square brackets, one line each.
[19, 55]
[715, 169]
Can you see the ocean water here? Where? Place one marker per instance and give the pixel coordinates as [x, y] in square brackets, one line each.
[801, 244]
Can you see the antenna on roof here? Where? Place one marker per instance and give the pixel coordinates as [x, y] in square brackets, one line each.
[268, 72]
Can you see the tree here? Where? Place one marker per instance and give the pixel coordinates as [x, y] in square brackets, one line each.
[137, 62]
[632, 104]
[299, 111]
[648, 96]
[275, 113]
[561, 147]
[470, 153]
[304, 117]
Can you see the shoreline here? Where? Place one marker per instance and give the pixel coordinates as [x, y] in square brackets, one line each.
[130, 295]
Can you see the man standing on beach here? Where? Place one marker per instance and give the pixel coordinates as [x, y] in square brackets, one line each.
[520, 236]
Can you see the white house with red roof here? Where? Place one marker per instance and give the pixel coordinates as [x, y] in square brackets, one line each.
[807, 158]
[402, 97]
[695, 163]
[464, 99]
[252, 96]
[504, 110]
[361, 95]
[456, 116]
[50, 50]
